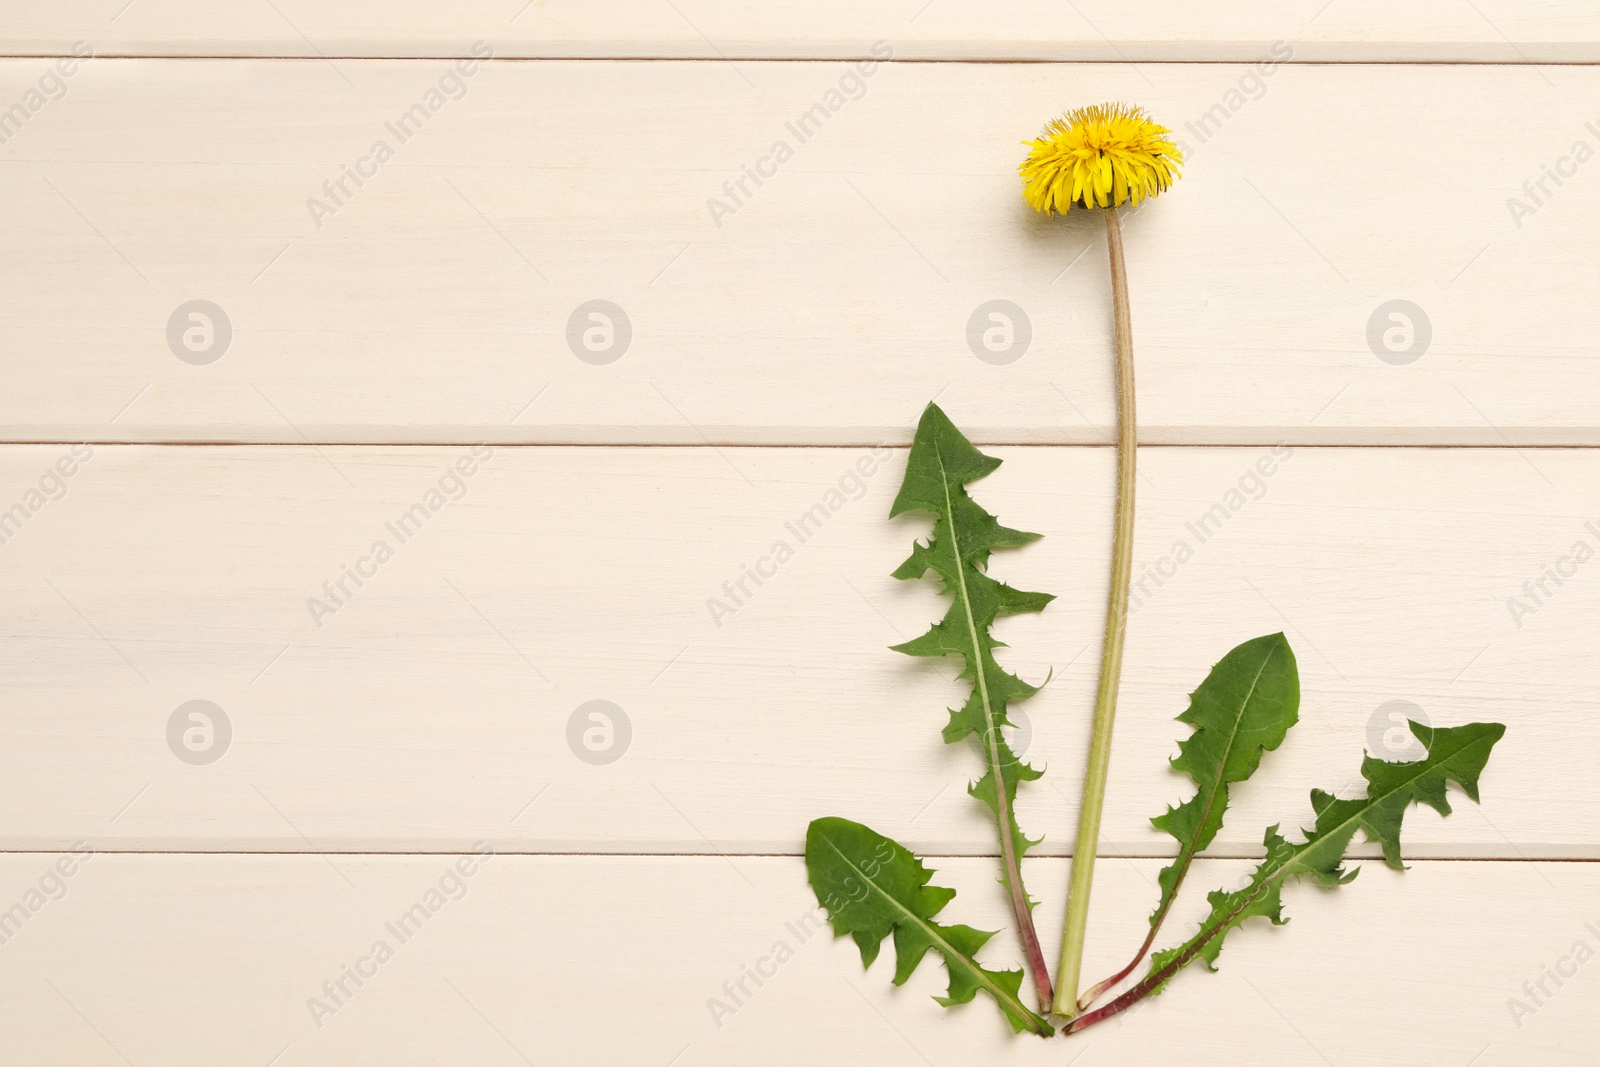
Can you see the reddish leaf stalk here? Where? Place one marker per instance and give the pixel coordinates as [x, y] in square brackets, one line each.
[1097, 991]
[1158, 977]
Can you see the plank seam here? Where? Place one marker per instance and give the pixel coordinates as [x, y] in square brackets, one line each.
[1244, 857]
[843, 58]
[457, 443]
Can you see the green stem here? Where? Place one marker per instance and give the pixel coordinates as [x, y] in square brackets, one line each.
[1105, 706]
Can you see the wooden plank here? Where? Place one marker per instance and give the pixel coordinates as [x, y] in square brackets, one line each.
[446, 697]
[202, 960]
[1500, 31]
[443, 300]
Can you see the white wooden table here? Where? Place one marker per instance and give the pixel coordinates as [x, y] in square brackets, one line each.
[183, 500]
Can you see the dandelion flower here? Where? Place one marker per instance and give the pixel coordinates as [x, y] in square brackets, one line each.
[1100, 156]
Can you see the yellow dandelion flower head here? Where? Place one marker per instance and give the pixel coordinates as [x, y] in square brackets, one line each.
[1099, 156]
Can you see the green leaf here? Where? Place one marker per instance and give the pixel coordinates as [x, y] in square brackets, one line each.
[1243, 709]
[873, 887]
[1457, 754]
[941, 464]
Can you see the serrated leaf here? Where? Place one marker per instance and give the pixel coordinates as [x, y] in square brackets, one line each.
[1244, 709]
[1454, 754]
[941, 464]
[873, 887]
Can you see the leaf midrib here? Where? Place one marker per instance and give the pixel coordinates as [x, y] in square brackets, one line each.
[992, 731]
[1189, 848]
[1220, 784]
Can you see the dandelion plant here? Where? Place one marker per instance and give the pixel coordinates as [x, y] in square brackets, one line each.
[1099, 157]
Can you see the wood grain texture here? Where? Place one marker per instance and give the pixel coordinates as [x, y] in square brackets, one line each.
[201, 960]
[1499, 31]
[433, 706]
[434, 304]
